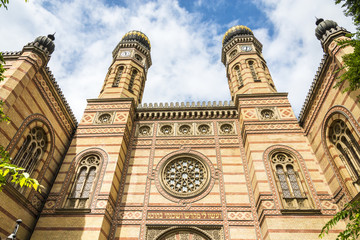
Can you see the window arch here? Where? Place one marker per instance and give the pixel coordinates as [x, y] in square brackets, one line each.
[238, 76]
[252, 70]
[132, 79]
[31, 150]
[84, 182]
[289, 180]
[118, 76]
[346, 145]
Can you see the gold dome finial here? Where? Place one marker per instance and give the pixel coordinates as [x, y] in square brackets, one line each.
[235, 31]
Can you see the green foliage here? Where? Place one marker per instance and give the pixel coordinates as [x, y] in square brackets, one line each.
[352, 60]
[4, 3]
[351, 212]
[352, 65]
[15, 173]
[352, 9]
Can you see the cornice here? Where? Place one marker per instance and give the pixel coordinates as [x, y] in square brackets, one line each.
[61, 99]
[186, 110]
[313, 89]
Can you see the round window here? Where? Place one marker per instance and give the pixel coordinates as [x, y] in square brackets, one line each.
[184, 176]
[167, 129]
[104, 118]
[184, 129]
[144, 130]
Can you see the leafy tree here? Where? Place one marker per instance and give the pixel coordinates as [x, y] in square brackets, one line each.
[351, 213]
[4, 3]
[15, 174]
[352, 60]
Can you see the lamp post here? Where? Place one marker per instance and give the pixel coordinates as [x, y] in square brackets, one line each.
[12, 236]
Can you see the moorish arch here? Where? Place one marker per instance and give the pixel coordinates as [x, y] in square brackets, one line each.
[36, 137]
[340, 140]
[184, 233]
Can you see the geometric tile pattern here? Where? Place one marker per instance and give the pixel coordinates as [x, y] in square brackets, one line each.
[237, 216]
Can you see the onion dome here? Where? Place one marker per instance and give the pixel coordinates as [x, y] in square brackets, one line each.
[323, 26]
[236, 31]
[137, 36]
[46, 42]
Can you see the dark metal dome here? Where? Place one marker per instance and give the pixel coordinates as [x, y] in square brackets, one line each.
[323, 26]
[46, 42]
[236, 31]
[138, 37]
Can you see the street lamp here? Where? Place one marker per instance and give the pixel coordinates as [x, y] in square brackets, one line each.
[12, 236]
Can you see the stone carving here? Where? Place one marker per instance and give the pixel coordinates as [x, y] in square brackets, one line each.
[103, 118]
[166, 130]
[185, 129]
[204, 129]
[144, 130]
[226, 128]
[268, 113]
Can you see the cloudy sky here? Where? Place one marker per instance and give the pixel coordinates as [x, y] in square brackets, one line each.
[185, 38]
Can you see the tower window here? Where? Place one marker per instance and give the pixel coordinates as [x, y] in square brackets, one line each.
[253, 73]
[138, 57]
[132, 79]
[84, 182]
[239, 77]
[289, 181]
[233, 53]
[344, 141]
[118, 76]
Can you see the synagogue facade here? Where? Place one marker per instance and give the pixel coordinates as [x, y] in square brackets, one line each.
[241, 169]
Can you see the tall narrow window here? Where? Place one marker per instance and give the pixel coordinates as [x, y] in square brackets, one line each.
[289, 181]
[118, 76]
[252, 70]
[84, 182]
[132, 79]
[239, 77]
[348, 148]
[32, 149]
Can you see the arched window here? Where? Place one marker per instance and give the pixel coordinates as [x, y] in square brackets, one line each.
[346, 145]
[233, 53]
[239, 77]
[31, 150]
[85, 178]
[132, 79]
[138, 57]
[252, 70]
[288, 179]
[118, 76]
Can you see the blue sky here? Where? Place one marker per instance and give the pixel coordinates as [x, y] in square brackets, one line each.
[185, 37]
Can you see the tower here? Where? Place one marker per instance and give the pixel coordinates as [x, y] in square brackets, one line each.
[246, 67]
[88, 182]
[127, 73]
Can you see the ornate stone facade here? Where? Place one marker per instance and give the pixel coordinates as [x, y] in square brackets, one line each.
[244, 169]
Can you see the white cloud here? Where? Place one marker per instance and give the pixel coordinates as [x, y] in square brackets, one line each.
[293, 53]
[185, 50]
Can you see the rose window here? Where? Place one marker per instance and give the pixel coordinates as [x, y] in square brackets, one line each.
[144, 130]
[104, 118]
[184, 177]
[167, 129]
[204, 129]
[226, 128]
[267, 114]
[184, 129]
